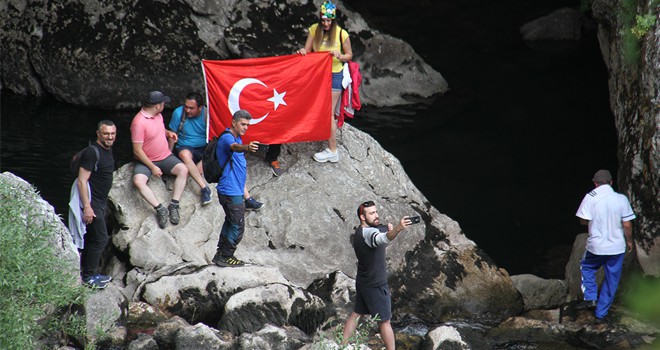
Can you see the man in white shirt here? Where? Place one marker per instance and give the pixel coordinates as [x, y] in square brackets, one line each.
[608, 215]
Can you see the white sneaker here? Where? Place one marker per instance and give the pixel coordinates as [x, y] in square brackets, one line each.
[327, 156]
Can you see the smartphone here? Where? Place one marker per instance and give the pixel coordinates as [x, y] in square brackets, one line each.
[415, 219]
[262, 147]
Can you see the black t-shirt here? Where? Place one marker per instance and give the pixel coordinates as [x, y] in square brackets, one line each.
[371, 269]
[100, 180]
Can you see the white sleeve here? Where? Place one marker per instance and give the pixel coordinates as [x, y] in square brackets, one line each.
[584, 211]
[627, 213]
[373, 237]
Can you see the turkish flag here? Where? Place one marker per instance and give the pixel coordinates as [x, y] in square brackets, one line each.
[289, 97]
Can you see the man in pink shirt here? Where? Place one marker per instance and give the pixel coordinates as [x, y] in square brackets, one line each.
[153, 156]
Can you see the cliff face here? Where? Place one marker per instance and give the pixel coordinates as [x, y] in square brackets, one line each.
[108, 53]
[635, 102]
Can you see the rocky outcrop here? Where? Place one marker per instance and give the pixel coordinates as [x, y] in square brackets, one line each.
[303, 232]
[562, 24]
[539, 293]
[634, 98]
[107, 54]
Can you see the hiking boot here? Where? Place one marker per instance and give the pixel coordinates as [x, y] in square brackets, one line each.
[275, 167]
[174, 213]
[103, 278]
[161, 216]
[253, 204]
[94, 282]
[228, 262]
[586, 304]
[327, 156]
[206, 195]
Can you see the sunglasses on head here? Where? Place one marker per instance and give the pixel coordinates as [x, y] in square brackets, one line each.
[365, 205]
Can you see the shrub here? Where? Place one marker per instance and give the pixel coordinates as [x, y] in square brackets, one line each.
[643, 24]
[35, 285]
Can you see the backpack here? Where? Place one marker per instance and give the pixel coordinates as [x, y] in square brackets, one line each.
[212, 169]
[76, 159]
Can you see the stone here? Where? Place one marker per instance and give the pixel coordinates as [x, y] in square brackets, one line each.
[562, 24]
[445, 337]
[539, 293]
[199, 336]
[105, 311]
[143, 342]
[273, 338]
[167, 331]
[278, 304]
[573, 273]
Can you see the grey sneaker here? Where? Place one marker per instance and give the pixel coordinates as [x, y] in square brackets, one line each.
[327, 156]
[206, 195]
[275, 167]
[161, 217]
[174, 213]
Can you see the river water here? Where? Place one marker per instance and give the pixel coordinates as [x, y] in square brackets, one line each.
[508, 152]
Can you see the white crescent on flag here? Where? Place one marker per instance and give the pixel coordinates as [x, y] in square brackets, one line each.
[233, 101]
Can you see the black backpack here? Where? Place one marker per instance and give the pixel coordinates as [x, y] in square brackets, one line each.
[212, 169]
[76, 159]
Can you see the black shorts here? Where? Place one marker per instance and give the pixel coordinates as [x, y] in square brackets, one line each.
[373, 301]
[197, 152]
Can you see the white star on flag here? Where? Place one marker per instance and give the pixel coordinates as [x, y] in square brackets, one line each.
[277, 99]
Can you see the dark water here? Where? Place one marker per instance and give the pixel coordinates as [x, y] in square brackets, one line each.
[508, 152]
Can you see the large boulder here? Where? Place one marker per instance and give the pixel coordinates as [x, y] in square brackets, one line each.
[303, 231]
[107, 54]
[539, 293]
[562, 24]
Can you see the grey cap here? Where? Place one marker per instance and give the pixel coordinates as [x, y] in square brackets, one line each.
[156, 97]
[602, 176]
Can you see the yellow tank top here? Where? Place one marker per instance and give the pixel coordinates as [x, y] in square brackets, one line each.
[337, 65]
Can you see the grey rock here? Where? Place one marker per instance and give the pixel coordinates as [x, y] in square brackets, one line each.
[106, 312]
[167, 331]
[44, 214]
[562, 24]
[539, 293]
[199, 336]
[445, 337]
[143, 342]
[573, 276]
[201, 296]
[109, 54]
[278, 304]
[273, 338]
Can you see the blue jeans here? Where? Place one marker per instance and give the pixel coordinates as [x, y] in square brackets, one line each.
[612, 265]
[234, 225]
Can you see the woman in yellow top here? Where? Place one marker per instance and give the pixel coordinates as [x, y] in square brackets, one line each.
[334, 40]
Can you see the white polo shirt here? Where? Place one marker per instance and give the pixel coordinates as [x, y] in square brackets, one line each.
[605, 210]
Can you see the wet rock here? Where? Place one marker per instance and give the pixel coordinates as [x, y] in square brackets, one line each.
[539, 293]
[278, 304]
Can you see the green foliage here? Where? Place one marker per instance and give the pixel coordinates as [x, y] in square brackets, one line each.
[643, 298]
[360, 337]
[32, 278]
[643, 24]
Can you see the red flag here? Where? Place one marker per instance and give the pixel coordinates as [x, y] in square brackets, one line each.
[288, 97]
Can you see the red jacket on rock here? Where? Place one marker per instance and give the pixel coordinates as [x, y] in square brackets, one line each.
[350, 96]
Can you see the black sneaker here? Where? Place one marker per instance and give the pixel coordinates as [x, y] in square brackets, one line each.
[253, 204]
[228, 262]
[586, 304]
[103, 278]
[174, 213]
[161, 217]
[206, 195]
[94, 282]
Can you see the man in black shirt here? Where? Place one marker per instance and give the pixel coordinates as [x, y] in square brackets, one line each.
[96, 170]
[372, 292]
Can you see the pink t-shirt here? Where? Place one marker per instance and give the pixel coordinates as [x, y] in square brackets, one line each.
[150, 132]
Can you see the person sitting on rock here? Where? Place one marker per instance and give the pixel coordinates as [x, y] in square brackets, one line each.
[189, 123]
[153, 156]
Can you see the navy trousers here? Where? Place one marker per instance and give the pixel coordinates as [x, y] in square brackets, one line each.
[612, 265]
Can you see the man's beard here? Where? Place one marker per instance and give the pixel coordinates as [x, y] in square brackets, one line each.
[373, 223]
